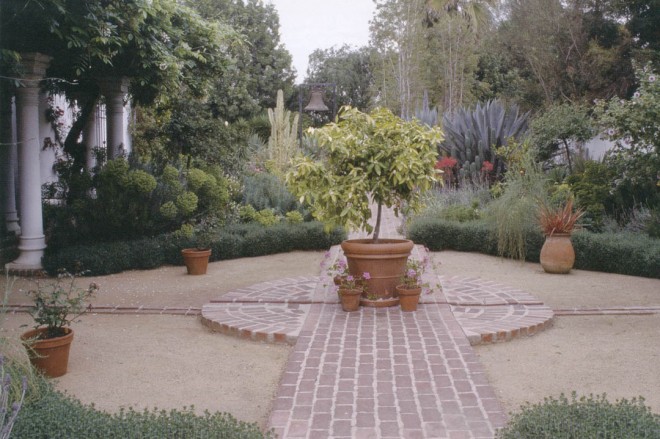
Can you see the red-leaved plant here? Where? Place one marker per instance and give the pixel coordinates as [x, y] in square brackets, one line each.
[559, 219]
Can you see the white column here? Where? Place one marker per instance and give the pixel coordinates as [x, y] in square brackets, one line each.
[91, 138]
[114, 90]
[48, 155]
[7, 163]
[32, 242]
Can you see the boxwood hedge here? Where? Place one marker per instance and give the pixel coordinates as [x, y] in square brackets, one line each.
[622, 253]
[241, 240]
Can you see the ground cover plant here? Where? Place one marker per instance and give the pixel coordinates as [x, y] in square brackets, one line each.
[584, 417]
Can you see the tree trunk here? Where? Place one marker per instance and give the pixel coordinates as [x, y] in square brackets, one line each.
[377, 228]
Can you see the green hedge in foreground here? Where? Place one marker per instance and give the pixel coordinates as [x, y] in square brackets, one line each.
[233, 242]
[55, 415]
[592, 417]
[622, 253]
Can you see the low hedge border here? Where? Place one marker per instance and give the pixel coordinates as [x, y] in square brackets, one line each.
[621, 253]
[55, 415]
[237, 241]
[586, 417]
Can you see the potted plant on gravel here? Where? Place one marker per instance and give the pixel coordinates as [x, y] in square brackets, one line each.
[558, 222]
[55, 306]
[197, 258]
[375, 158]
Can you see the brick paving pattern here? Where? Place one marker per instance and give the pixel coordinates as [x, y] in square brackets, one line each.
[383, 373]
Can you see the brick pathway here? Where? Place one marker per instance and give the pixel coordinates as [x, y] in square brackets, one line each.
[379, 372]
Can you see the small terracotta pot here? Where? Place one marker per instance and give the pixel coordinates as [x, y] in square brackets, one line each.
[197, 261]
[408, 297]
[557, 254]
[350, 299]
[49, 355]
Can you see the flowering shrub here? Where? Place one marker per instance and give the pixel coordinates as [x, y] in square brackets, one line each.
[445, 163]
[351, 282]
[414, 271]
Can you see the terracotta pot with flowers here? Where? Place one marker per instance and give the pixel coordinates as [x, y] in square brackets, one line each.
[56, 306]
[376, 158]
[351, 289]
[410, 288]
[558, 222]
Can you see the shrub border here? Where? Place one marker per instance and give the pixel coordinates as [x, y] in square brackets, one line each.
[606, 252]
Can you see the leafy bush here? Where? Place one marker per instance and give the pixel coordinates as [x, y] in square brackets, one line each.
[622, 253]
[131, 203]
[55, 415]
[267, 191]
[232, 242]
[587, 417]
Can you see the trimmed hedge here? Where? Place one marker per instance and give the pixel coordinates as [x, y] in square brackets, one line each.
[237, 241]
[621, 253]
[592, 417]
[56, 415]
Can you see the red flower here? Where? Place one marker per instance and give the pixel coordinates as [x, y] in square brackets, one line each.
[487, 166]
[446, 163]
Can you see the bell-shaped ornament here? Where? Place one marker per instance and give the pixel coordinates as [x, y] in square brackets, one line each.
[316, 102]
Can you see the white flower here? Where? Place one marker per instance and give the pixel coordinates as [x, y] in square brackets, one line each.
[611, 132]
[636, 95]
[652, 78]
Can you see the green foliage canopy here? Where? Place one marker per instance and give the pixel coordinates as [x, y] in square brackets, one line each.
[375, 156]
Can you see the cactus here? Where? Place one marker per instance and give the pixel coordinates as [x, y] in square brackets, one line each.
[283, 141]
[471, 136]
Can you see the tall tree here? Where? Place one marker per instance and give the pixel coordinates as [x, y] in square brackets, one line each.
[349, 68]
[259, 68]
[456, 28]
[397, 35]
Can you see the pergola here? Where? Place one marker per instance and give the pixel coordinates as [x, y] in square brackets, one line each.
[20, 146]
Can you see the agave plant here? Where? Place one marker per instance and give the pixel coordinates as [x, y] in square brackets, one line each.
[427, 115]
[471, 136]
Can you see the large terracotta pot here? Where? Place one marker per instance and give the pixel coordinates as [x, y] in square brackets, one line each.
[557, 254]
[350, 299]
[50, 355]
[197, 261]
[385, 262]
[408, 297]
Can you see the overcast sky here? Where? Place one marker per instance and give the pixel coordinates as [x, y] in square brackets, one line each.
[306, 25]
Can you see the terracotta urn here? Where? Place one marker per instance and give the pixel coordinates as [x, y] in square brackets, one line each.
[557, 254]
[384, 260]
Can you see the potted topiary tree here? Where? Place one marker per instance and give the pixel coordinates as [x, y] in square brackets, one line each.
[56, 306]
[365, 159]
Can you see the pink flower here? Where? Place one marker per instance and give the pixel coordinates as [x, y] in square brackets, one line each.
[366, 275]
[487, 166]
[411, 273]
[350, 278]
